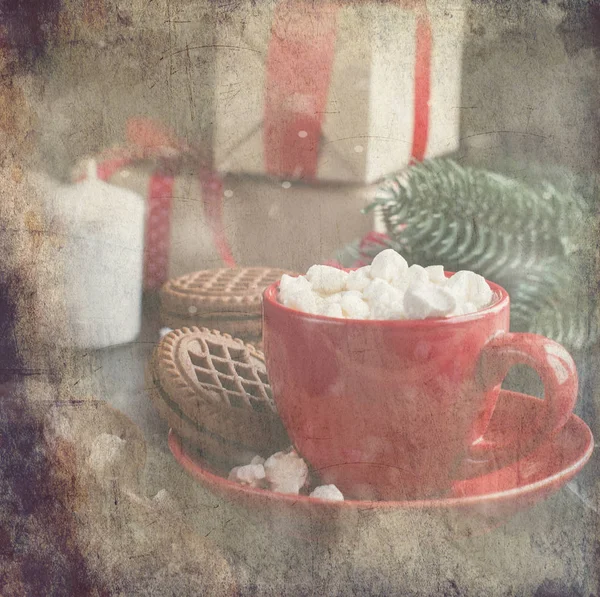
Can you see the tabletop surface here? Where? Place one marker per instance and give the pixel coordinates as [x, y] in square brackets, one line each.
[551, 549]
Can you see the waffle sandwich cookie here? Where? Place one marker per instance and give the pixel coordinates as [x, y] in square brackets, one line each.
[227, 299]
[213, 391]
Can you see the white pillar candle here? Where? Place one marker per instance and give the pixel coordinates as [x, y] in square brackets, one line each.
[101, 261]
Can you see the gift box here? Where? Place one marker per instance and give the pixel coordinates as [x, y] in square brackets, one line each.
[264, 224]
[337, 91]
[197, 219]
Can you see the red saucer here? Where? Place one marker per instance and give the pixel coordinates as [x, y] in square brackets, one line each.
[473, 505]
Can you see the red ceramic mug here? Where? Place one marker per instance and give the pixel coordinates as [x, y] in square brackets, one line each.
[395, 409]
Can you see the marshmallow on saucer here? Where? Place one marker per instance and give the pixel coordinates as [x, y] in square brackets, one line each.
[249, 474]
[286, 472]
[327, 492]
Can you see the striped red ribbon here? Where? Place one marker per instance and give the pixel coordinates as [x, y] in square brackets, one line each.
[158, 230]
[299, 64]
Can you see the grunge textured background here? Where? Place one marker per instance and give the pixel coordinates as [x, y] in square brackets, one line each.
[72, 73]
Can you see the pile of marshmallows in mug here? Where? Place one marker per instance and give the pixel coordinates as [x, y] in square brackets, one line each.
[386, 289]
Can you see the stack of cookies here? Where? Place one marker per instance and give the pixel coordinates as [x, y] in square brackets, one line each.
[213, 391]
[227, 299]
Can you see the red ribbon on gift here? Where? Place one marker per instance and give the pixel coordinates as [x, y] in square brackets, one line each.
[158, 230]
[299, 62]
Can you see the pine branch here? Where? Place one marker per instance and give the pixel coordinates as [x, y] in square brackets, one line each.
[533, 240]
[457, 212]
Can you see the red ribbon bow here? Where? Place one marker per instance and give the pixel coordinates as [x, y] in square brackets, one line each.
[149, 140]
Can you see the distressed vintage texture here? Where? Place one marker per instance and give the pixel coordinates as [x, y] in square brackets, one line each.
[83, 517]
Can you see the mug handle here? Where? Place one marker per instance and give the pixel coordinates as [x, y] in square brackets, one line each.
[556, 368]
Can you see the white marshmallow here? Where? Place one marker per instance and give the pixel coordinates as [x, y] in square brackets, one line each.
[469, 308]
[459, 285]
[233, 474]
[286, 472]
[296, 293]
[354, 306]
[376, 289]
[436, 274]
[332, 310]
[359, 279]
[470, 287]
[293, 284]
[401, 283]
[333, 298]
[388, 265]
[464, 309]
[428, 300]
[483, 294]
[418, 274]
[303, 300]
[326, 279]
[352, 294]
[327, 492]
[257, 460]
[285, 487]
[385, 301]
[249, 474]
[386, 307]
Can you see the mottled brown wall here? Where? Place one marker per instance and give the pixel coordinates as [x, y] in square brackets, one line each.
[72, 73]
